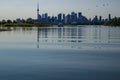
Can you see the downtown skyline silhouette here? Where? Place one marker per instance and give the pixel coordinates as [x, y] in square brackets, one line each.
[26, 8]
[73, 17]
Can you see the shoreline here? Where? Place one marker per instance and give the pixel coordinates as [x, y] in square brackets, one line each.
[5, 30]
[43, 25]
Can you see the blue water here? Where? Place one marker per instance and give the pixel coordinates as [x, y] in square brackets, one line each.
[68, 53]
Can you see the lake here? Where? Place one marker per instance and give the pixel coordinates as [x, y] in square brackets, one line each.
[66, 53]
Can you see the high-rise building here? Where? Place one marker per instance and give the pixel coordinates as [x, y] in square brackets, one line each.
[60, 17]
[63, 18]
[79, 14]
[95, 20]
[43, 16]
[100, 19]
[46, 17]
[75, 20]
[73, 17]
[68, 18]
[109, 17]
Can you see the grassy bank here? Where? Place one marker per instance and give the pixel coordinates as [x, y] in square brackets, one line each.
[26, 24]
[5, 30]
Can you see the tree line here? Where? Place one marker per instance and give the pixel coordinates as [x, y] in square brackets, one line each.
[113, 22]
[23, 23]
[29, 23]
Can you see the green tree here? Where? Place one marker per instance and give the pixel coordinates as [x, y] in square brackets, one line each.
[14, 21]
[114, 22]
[9, 21]
[29, 21]
[23, 21]
[119, 21]
[3, 22]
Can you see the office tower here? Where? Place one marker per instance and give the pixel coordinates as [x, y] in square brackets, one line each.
[46, 17]
[75, 17]
[95, 19]
[43, 16]
[55, 19]
[60, 17]
[68, 18]
[79, 14]
[63, 18]
[100, 19]
[72, 16]
[109, 17]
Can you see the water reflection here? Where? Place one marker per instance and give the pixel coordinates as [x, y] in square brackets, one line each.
[20, 60]
[78, 37]
[59, 35]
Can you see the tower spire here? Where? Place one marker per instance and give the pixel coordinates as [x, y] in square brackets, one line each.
[37, 10]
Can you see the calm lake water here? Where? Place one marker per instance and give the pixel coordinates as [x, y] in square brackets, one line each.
[68, 53]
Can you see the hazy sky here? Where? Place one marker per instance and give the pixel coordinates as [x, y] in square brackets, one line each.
[12, 9]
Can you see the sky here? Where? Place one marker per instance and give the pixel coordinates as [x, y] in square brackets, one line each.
[12, 9]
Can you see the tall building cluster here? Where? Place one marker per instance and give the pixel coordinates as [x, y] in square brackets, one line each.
[70, 18]
[100, 20]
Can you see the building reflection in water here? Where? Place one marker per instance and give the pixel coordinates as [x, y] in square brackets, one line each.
[76, 37]
[59, 35]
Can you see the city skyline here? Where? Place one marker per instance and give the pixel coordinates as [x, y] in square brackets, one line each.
[27, 8]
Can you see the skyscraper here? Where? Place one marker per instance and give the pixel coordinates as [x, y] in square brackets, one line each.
[63, 18]
[60, 17]
[79, 14]
[46, 17]
[109, 17]
[100, 19]
[68, 18]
